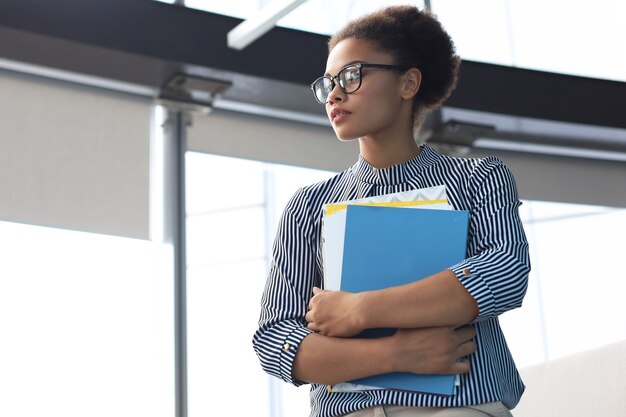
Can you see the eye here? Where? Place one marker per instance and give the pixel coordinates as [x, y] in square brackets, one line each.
[351, 76]
[327, 84]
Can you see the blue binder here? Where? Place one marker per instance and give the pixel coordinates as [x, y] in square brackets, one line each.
[389, 246]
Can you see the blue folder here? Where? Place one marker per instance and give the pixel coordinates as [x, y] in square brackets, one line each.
[390, 246]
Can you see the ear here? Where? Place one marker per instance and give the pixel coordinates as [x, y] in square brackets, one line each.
[411, 83]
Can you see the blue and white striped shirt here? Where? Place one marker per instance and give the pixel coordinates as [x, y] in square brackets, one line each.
[495, 273]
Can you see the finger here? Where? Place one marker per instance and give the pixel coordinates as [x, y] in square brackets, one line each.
[462, 366]
[465, 333]
[317, 290]
[467, 348]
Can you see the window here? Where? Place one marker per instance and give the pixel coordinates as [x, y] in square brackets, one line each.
[86, 324]
[85, 315]
[573, 301]
[233, 207]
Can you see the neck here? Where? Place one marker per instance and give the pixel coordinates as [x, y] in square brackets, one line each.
[385, 153]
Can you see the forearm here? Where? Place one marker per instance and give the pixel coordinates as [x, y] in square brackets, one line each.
[435, 350]
[331, 360]
[438, 300]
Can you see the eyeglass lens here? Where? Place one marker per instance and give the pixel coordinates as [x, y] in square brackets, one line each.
[349, 80]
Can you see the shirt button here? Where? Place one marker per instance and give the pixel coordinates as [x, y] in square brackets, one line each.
[466, 272]
[286, 346]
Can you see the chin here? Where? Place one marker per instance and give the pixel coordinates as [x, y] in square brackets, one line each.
[346, 139]
[344, 136]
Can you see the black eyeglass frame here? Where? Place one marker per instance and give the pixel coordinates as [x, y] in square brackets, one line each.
[360, 66]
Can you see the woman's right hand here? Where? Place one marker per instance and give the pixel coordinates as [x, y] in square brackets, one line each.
[434, 350]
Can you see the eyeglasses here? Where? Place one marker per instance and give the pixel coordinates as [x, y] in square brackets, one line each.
[348, 79]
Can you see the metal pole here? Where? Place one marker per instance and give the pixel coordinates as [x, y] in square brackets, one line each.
[175, 135]
[180, 262]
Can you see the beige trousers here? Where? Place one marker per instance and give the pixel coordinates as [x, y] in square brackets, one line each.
[495, 409]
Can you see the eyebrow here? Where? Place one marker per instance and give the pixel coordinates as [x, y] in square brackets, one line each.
[356, 61]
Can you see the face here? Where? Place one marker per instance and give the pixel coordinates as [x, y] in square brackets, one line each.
[375, 108]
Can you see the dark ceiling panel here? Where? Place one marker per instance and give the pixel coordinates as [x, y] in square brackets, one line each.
[144, 41]
[169, 32]
[542, 95]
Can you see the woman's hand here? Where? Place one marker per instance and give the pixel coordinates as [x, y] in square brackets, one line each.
[434, 350]
[334, 313]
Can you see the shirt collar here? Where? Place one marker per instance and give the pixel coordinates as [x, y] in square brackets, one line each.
[396, 174]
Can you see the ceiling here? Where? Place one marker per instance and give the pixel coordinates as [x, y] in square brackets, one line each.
[139, 45]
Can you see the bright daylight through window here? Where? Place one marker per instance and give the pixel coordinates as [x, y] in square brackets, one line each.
[519, 33]
[231, 228]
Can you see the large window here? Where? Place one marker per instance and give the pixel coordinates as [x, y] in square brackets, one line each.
[573, 301]
[86, 324]
[233, 206]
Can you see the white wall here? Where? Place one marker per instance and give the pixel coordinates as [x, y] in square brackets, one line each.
[589, 383]
[73, 157]
[270, 140]
[545, 178]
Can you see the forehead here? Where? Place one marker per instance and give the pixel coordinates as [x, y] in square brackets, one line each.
[355, 50]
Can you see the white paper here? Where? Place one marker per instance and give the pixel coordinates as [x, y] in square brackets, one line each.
[332, 249]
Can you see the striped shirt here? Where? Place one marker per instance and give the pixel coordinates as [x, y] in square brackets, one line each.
[495, 272]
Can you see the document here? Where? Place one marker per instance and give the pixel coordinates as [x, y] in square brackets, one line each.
[374, 246]
[389, 246]
[334, 219]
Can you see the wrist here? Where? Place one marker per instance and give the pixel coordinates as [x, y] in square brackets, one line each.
[389, 354]
[363, 311]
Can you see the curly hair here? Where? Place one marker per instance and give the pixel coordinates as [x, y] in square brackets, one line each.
[416, 39]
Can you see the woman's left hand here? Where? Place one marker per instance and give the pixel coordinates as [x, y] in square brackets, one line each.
[334, 313]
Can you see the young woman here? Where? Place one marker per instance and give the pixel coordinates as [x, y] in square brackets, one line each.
[384, 72]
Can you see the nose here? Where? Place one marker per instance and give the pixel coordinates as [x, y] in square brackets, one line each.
[336, 95]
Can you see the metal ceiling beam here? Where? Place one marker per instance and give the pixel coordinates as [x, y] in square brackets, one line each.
[265, 19]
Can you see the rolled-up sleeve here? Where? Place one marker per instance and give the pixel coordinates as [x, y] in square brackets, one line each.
[293, 273]
[496, 270]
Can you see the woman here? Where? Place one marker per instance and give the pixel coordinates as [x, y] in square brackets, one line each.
[384, 72]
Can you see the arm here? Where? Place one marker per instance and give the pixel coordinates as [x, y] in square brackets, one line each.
[489, 282]
[330, 360]
[289, 350]
[439, 300]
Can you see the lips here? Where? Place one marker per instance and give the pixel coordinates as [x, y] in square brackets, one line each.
[337, 114]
